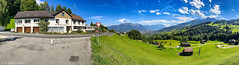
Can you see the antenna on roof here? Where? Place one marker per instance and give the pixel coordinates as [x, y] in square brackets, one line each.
[74, 9]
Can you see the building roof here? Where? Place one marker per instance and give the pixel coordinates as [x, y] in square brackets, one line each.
[188, 49]
[232, 40]
[44, 14]
[76, 17]
[35, 14]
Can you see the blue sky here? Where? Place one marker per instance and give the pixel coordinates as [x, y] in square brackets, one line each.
[150, 12]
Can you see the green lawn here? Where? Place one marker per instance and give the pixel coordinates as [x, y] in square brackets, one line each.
[174, 43]
[120, 50]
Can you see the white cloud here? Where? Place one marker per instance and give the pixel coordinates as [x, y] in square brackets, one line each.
[184, 19]
[213, 16]
[39, 2]
[157, 13]
[216, 9]
[96, 17]
[186, 1]
[210, 1]
[183, 10]
[140, 11]
[197, 13]
[167, 25]
[166, 13]
[233, 10]
[123, 20]
[197, 3]
[150, 22]
[153, 11]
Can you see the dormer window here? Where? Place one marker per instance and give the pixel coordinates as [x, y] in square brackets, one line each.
[57, 21]
[63, 14]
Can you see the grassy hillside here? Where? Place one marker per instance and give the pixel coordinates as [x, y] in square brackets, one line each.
[120, 50]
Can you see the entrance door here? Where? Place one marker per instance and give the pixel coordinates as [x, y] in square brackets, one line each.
[68, 28]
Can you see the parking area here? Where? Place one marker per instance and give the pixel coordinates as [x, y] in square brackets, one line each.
[46, 51]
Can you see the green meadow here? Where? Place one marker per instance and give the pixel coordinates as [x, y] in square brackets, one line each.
[120, 50]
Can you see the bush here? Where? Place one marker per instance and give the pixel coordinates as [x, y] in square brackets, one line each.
[79, 31]
[134, 34]
[112, 30]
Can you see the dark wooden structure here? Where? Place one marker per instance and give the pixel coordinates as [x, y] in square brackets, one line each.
[187, 51]
[185, 44]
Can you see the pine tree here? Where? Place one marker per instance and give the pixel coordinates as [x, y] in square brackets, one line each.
[58, 8]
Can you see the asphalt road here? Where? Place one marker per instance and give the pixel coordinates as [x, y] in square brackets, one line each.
[46, 51]
[50, 35]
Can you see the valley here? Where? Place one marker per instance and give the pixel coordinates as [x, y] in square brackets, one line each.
[121, 50]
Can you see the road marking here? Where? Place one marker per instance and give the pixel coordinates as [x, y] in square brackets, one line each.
[51, 41]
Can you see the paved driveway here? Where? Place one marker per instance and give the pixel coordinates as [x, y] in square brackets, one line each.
[46, 51]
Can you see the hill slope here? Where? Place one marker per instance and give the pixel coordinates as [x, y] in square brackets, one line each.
[120, 50]
[182, 25]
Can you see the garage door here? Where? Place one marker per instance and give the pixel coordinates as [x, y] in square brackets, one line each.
[36, 29]
[27, 29]
[19, 29]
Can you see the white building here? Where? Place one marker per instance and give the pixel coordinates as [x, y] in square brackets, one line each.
[61, 21]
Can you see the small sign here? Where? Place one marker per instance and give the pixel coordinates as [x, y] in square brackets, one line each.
[96, 31]
[98, 24]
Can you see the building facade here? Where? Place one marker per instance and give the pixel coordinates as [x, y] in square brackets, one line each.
[60, 22]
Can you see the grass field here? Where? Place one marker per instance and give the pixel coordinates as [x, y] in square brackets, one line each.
[120, 50]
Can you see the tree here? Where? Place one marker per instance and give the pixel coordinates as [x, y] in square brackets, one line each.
[29, 5]
[64, 8]
[52, 8]
[14, 7]
[134, 34]
[44, 6]
[43, 25]
[206, 37]
[69, 11]
[112, 30]
[58, 8]
[91, 23]
[4, 17]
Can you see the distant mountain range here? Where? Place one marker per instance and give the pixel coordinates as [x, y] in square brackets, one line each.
[125, 27]
[182, 25]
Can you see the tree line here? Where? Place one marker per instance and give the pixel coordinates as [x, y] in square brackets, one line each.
[9, 8]
[198, 32]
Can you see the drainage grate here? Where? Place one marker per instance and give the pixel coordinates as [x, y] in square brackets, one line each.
[74, 58]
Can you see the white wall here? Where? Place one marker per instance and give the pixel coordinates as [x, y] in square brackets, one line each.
[62, 23]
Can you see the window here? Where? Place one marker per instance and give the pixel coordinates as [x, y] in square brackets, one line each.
[63, 14]
[57, 21]
[19, 21]
[36, 20]
[79, 22]
[75, 27]
[74, 22]
[27, 21]
[66, 21]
